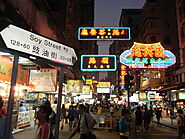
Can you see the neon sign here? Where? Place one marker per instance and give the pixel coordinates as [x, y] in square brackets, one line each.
[98, 62]
[123, 73]
[147, 56]
[104, 33]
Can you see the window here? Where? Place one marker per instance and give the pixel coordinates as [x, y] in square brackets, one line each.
[153, 39]
[166, 40]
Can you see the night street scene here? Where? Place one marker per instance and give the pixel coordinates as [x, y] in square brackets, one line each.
[92, 69]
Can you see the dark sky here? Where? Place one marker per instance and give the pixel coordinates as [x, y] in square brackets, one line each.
[107, 14]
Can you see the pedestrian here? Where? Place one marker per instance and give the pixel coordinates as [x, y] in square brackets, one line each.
[43, 129]
[158, 116]
[63, 115]
[85, 124]
[146, 118]
[22, 107]
[3, 114]
[172, 115]
[111, 110]
[151, 115]
[124, 125]
[54, 106]
[139, 119]
[180, 123]
[76, 116]
[3, 111]
[99, 110]
[71, 116]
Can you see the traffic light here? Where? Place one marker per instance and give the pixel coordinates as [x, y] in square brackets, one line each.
[127, 79]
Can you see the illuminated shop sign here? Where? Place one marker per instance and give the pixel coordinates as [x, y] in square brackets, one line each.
[147, 56]
[88, 81]
[123, 73]
[104, 33]
[103, 84]
[181, 95]
[98, 62]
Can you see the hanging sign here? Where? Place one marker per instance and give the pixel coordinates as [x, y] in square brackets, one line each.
[104, 33]
[24, 41]
[98, 62]
[147, 56]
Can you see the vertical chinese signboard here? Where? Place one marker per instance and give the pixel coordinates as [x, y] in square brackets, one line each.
[123, 73]
[98, 62]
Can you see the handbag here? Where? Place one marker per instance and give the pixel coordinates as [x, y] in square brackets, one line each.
[89, 135]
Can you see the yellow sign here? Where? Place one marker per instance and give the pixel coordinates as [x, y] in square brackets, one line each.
[103, 84]
[88, 81]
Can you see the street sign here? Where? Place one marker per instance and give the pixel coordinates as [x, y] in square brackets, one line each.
[104, 33]
[24, 41]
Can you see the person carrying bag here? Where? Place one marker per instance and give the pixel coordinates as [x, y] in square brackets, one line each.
[85, 124]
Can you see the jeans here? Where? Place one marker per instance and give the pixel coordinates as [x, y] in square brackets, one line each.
[70, 124]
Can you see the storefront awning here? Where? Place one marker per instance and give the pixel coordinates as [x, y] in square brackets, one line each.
[168, 88]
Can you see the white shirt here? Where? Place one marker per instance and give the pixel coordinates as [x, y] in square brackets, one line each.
[111, 109]
[54, 107]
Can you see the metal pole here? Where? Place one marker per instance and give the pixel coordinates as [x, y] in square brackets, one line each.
[128, 93]
[61, 78]
[8, 128]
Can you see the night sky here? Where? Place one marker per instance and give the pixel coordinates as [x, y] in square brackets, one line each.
[107, 14]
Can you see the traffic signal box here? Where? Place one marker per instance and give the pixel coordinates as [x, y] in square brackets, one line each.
[128, 83]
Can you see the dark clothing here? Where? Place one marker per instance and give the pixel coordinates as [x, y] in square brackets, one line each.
[158, 116]
[146, 118]
[181, 131]
[139, 117]
[71, 114]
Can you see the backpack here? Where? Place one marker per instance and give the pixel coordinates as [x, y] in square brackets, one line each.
[52, 118]
[124, 125]
[71, 114]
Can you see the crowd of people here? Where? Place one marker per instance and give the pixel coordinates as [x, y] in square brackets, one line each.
[79, 118]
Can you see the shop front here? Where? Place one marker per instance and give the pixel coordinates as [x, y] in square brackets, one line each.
[21, 54]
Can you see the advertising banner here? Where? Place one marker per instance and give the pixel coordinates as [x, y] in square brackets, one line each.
[74, 86]
[43, 80]
[103, 90]
[85, 90]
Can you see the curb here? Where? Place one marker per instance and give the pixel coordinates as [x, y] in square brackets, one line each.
[172, 127]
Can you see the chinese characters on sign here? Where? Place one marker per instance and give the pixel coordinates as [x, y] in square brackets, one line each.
[123, 73]
[147, 56]
[104, 33]
[98, 62]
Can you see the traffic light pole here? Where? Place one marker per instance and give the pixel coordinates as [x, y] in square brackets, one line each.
[128, 93]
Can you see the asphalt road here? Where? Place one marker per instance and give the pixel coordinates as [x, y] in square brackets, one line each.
[159, 133]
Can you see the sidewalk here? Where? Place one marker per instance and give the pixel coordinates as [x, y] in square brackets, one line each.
[166, 121]
[30, 133]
